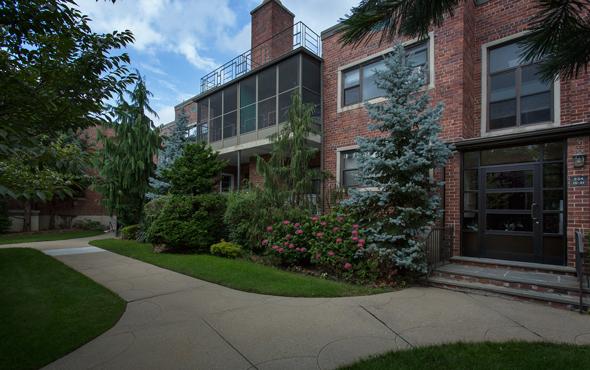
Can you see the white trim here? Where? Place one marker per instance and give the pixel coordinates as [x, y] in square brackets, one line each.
[431, 76]
[484, 95]
[338, 159]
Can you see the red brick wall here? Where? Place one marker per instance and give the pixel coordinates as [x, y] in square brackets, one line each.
[578, 197]
[272, 32]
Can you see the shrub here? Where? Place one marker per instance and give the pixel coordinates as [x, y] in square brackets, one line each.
[4, 219]
[189, 222]
[129, 232]
[88, 225]
[226, 249]
[151, 210]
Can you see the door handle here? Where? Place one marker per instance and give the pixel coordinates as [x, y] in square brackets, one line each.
[533, 211]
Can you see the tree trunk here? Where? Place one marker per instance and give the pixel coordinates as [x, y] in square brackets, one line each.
[27, 216]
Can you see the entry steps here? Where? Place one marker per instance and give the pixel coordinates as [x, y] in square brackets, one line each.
[554, 285]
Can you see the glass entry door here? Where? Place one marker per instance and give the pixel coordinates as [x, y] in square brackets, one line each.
[512, 217]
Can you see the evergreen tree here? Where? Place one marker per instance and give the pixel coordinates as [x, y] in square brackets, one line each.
[126, 160]
[173, 146]
[398, 164]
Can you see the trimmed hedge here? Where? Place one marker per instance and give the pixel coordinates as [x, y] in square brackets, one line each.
[129, 232]
[226, 249]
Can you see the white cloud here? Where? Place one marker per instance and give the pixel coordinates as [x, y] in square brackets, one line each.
[165, 114]
[319, 14]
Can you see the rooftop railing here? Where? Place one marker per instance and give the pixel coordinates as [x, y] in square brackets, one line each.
[266, 51]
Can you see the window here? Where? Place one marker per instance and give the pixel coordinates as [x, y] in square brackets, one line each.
[359, 83]
[226, 184]
[517, 96]
[230, 115]
[202, 132]
[348, 168]
[248, 105]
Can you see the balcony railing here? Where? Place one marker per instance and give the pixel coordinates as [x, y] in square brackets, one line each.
[264, 52]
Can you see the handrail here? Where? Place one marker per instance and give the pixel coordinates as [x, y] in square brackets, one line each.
[580, 254]
[438, 247]
[300, 35]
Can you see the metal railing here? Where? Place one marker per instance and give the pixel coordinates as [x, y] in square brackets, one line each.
[438, 246]
[261, 54]
[580, 266]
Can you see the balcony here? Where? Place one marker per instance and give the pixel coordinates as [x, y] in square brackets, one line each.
[281, 44]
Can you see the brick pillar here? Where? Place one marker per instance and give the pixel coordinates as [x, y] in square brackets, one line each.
[453, 199]
[578, 197]
[255, 178]
[272, 31]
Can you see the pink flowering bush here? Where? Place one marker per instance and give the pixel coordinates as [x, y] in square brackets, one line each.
[333, 243]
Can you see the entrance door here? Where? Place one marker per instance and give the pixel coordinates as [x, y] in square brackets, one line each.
[512, 216]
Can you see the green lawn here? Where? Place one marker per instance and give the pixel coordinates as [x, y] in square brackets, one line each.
[237, 274]
[485, 356]
[44, 236]
[47, 309]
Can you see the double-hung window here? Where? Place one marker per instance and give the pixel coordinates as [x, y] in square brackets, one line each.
[349, 169]
[516, 95]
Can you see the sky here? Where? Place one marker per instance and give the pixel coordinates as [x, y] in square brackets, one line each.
[179, 41]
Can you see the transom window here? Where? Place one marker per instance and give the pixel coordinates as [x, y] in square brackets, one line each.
[349, 168]
[359, 83]
[517, 96]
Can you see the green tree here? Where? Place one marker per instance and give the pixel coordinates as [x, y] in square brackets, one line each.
[195, 171]
[56, 73]
[126, 160]
[398, 164]
[560, 31]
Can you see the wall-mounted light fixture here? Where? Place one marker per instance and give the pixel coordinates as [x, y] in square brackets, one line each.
[579, 160]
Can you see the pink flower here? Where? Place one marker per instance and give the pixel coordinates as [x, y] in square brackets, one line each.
[265, 242]
[288, 237]
[286, 222]
[320, 235]
[297, 225]
[275, 247]
[355, 239]
[291, 246]
[323, 223]
[336, 229]
[347, 266]
[299, 232]
[338, 240]
[315, 218]
[355, 232]
[355, 226]
[297, 249]
[340, 219]
[280, 250]
[269, 229]
[331, 253]
[362, 241]
[303, 249]
[285, 243]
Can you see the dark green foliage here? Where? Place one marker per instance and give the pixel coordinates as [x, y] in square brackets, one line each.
[56, 73]
[129, 232]
[150, 212]
[88, 225]
[4, 220]
[226, 249]
[560, 30]
[189, 222]
[195, 171]
[48, 310]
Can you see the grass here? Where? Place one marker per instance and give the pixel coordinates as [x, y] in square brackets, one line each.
[238, 274]
[47, 309]
[485, 356]
[45, 236]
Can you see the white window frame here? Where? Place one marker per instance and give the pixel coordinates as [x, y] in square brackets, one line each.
[344, 68]
[484, 95]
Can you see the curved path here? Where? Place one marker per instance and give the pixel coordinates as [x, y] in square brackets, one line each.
[176, 322]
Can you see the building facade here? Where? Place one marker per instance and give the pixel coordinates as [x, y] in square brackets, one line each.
[517, 185]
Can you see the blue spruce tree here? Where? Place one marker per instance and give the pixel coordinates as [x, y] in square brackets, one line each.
[173, 146]
[400, 200]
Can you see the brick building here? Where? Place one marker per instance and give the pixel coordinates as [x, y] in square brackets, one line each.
[517, 185]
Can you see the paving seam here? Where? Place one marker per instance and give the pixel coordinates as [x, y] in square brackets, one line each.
[387, 326]
[163, 294]
[252, 365]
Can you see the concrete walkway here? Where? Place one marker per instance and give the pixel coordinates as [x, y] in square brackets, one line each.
[176, 322]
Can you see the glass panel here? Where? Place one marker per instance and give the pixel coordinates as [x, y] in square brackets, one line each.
[509, 179]
[370, 89]
[349, 160]
[203, 133]
[553, 250]
[535, 108]
[351, 78]
[192, 133]
[507, 246]
[349, 178]
[503, 86]
[553, 175]
[553, 151]
[503, 114]
[230, 99]
[248, 119]
[504, 57]
[215, 104]
[352, 95]
[471, 159]
[509, 222]
[229, 125]
[470, 244]
[248, 91]
[289, 74]
[267, 113]
[311, 74]
[267, 83]
[516, 154]
[522, 201]
[203, 110]
[552, 223]
[313, 98]
[216, 129]
[531, 82]
[284, 105]
[226, 183]
[470, 201]
[470, 221]
[470, 180]
[553, 200]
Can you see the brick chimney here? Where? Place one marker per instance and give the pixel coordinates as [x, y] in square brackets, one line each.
[272, 31]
